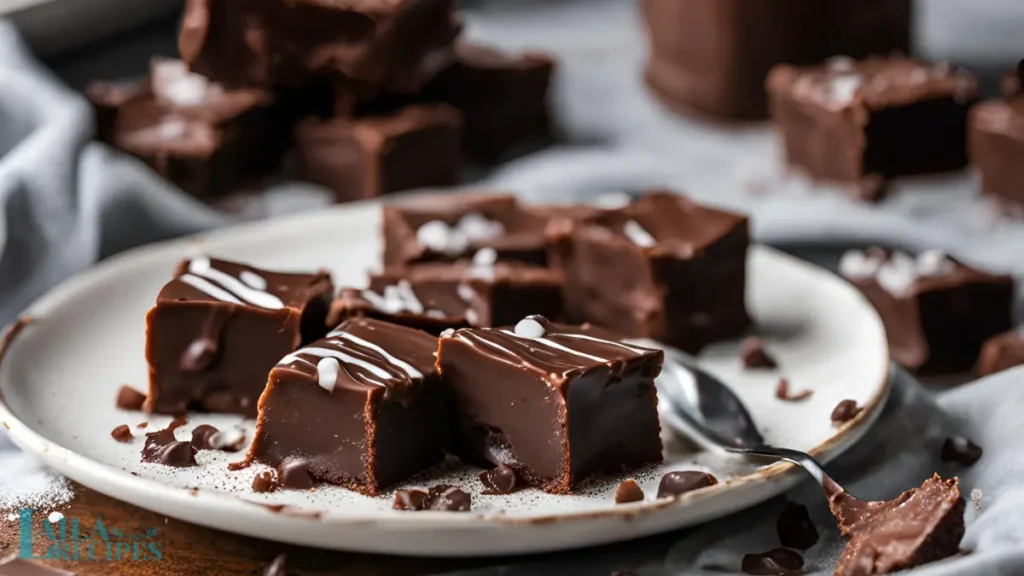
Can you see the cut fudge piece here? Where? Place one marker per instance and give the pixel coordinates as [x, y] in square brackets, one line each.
[219, 327]
[361, 408]
[864, 122]
[398, 45]
[1001, 352]
[997, 150]
[552, 402]
[711, 58]
[937, 312]
[397, 303]
[663, 267]
[364, 157]
[453, 226]
[503, 99]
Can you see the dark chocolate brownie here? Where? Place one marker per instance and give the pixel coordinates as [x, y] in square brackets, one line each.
[996, 142]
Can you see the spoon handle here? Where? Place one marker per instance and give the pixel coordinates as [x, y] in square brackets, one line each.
[801, 459]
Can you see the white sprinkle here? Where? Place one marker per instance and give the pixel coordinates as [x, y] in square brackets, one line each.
[253, 280]
[435, 314]
[529, 328]
[408, 298]
[173, 82]
[476, 227]
[898, 273]
[485, 257]
[465, 292]
[375, 300]
[447, 333]
[857, 264]
[637, 234]
[934, 263]
[843, 88]
[54, 517]
[319, 352]
[434, 235]
[327, 370]
[232, 437]
[472, 317]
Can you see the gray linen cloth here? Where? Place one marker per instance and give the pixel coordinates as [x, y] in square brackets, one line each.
[67, 202]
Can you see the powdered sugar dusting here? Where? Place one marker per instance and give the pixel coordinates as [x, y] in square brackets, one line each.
[26, 483]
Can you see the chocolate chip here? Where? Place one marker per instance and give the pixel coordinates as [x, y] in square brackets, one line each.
[448, 498]
[129, 398]
[178, 454]
[782, 392]
[161, 447]
[775, 562]
[141, 425]
[122, 433]
[202, 436]
[277, 567]
[677, 483]
[411, 499]
[499, 480]
[754, 356]
[960, 450]
[795, 527]
[628, 491]
[845, 411]
[293, 473]
[265, 481]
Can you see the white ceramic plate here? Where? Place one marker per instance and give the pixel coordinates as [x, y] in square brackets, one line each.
[60, 374]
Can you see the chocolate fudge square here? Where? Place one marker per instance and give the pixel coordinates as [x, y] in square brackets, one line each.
[865, 122]
[1001, 352]
[362, 408]
[503, 99]
[397, 303]
[552, 402]
[663, 267]
[997, 151]
[219, 327]
[454, 226]
[937, 311]
[364, 157]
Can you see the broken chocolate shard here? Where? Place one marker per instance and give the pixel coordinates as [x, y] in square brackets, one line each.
[129, 398]
[264, 482]
[782, 392]
[122, 434]
[499, 480]
[162, 448]
[795, 527]
[677, 483]
[448, 498]
[293, 473]
[629, 491]
[960, 450]
[755, 357]
[845, 411]
[412, 499]
[202, 436]
[776, 562]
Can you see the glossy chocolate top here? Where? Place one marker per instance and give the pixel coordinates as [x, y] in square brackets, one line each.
[364, 354]
[555, 351]
[204, 279]
[903, 275]
[874, 83]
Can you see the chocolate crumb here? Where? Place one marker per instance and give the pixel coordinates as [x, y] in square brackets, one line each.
[293, 473]
[782, 392]
[448, 498]
[845, 411]
[142, 425]
[754, 356]
[202, 436]
[499, 480]
[411, 499]
[628, 491]
[277, 567]
[776, 562]
[678, 483]
[960, 450]
[122, 433]
[795, 527]
[265, 481]
[129, 398]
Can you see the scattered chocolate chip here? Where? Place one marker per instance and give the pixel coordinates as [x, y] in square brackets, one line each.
[277, 567]
[845, 411]
[782, 392]
[161, 447]
[129, 398]
[202, 436]
[448, 498]
[411, 499]
[499, 480]
[680, 482]
[960, 450]
[754, 356]
[775, 562]
[795, 527]
[142, 425]
[293, 473]
[265, 481]
[122, 433]
[628, 491]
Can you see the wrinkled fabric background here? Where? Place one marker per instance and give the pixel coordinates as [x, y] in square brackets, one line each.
[67, 202]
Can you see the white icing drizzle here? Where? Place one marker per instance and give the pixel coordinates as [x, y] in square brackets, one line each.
[897, 273]
[403, 365]
[375, 300]
[603, 341]
[253, 280]
[934, 263]
[636, 233]
[327, 370]
[476, 227]
[857, 264]
[558, 346]
[529, 328]
[209, 288]
[341, 356]
[465, 292]
[472, 317]
[454, 240]
[204, 268]
[408, 297]
[397, 298]
[485, 257]
[842, 88]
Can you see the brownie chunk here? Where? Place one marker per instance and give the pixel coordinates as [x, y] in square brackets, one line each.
[362, 408]
[864, 122]
[364, 157]
[219, 327]
[711, 58]
[552, 402]
[996, 142]
[1001, 352]
[663, 267]
[937, 312]
[445, 228]
[503, 99]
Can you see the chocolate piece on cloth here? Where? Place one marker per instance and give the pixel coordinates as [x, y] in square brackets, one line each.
[996, 142]
[866, 122]
[396, 45]
[361, 408]
[204, 138]
[710, 58]
[445, 228]
[663, 267]
[364, 157]
[503, 99]
[921, 525]
[937, 311]
[552, 402]
[219, 327]
[1001, 352]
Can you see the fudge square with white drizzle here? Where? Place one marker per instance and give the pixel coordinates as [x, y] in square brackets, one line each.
[937, 311]
[217, 329]
[361, 408]
[555, 403]
[662, 267]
